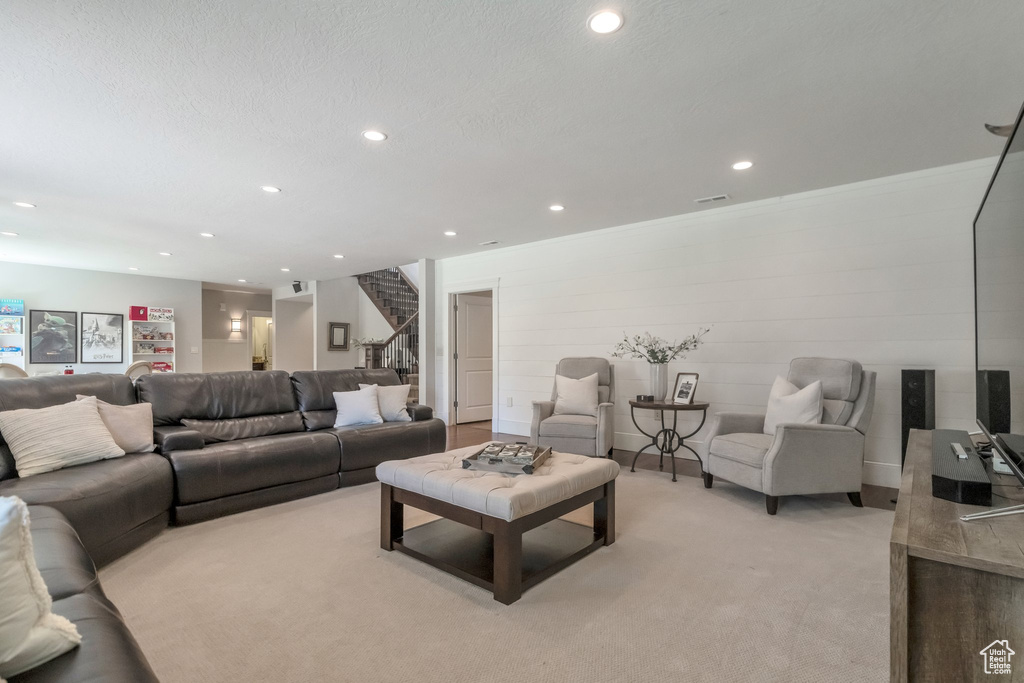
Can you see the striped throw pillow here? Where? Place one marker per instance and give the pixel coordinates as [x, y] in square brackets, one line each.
[48, 439]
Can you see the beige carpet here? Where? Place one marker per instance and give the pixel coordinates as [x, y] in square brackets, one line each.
[699, 586]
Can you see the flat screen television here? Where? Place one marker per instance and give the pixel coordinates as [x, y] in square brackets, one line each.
[999, 300]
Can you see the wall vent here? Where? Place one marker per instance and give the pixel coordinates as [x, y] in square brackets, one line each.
[708, 200]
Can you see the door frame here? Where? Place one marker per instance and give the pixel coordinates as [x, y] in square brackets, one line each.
[450, 291]
[249, 315]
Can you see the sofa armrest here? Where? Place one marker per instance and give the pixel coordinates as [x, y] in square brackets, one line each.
[605, 429]
[177, 438]
[814, 458]
[419, 412]
[542, 410]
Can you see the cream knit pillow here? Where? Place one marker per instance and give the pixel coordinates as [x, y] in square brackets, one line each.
[47, 439]
[30, 633]
[392, 401]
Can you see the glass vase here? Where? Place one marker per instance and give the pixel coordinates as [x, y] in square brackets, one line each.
[659, 380]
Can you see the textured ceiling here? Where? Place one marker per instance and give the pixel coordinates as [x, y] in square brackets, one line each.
[136, 125]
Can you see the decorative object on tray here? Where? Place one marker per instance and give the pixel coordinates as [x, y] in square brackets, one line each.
[685, 388]
[658, 353]
[102, 338]
[645, 398]
[337, 339]
[53, 337]
[509, 458]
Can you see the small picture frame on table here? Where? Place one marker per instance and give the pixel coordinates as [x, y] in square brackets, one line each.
[685, 388]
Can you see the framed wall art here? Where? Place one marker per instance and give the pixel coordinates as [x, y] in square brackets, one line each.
[102, 338]
[337, 339]
[685, 388]
[53, 336]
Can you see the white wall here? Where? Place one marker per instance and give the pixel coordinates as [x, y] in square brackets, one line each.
[69, 289]
[293, 333]
[878, 271]
[337, 301]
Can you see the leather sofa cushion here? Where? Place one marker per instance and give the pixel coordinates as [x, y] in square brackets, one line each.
[314, 389]
[578, 426]
[748, 449]
[365, 446]
[43, 392]
[232, 467]
[108, 652]
[60, 556]
[215, 431]
[102, 500]
[216, 395]
[177, 438]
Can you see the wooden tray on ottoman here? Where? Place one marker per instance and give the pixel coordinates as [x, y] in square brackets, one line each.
[517, 465]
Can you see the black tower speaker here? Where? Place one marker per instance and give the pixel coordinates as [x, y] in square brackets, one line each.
[918, 403]
[993, 396]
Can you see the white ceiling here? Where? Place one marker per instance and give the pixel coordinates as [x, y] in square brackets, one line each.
[136, 125]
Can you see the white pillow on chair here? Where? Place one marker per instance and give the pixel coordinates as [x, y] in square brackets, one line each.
[357, 407]
[789, 404]
[576, 396]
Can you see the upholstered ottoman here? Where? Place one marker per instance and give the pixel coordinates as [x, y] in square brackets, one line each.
[486, 514]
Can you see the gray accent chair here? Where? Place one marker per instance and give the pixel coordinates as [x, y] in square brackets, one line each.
[580, 434]
[799, 459]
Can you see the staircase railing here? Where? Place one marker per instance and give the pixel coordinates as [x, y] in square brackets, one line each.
[400, 351]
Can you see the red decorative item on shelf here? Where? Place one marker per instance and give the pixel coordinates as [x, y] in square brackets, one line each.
[138, 313]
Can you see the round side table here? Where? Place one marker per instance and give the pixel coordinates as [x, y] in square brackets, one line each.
[667, 440]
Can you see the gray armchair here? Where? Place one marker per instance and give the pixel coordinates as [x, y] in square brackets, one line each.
[799, 459]
[581, 434]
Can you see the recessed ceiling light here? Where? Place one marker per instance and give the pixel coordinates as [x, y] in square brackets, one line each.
[9, 234]
[241, 280]
[270, 188]
[25, 205]
[286, 270]
[557, 207]
[165, 253]
[605, 21]
[488, 243]
[206, 234]
[450, 233]
[339, 256]
[374, 136]
[742, 165]
[132, 268]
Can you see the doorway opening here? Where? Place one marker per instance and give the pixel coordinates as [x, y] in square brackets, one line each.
[472, 358]
[261, 339]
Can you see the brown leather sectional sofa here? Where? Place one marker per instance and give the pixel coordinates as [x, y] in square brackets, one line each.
[226, 442]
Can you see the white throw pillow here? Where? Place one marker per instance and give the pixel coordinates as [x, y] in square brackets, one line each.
[392, 401]
[357, 407]
[131, 425]
[30, 633]
[576, 396]
[788, 404]
[48, 439]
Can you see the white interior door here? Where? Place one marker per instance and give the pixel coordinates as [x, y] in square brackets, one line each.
[473, 360]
